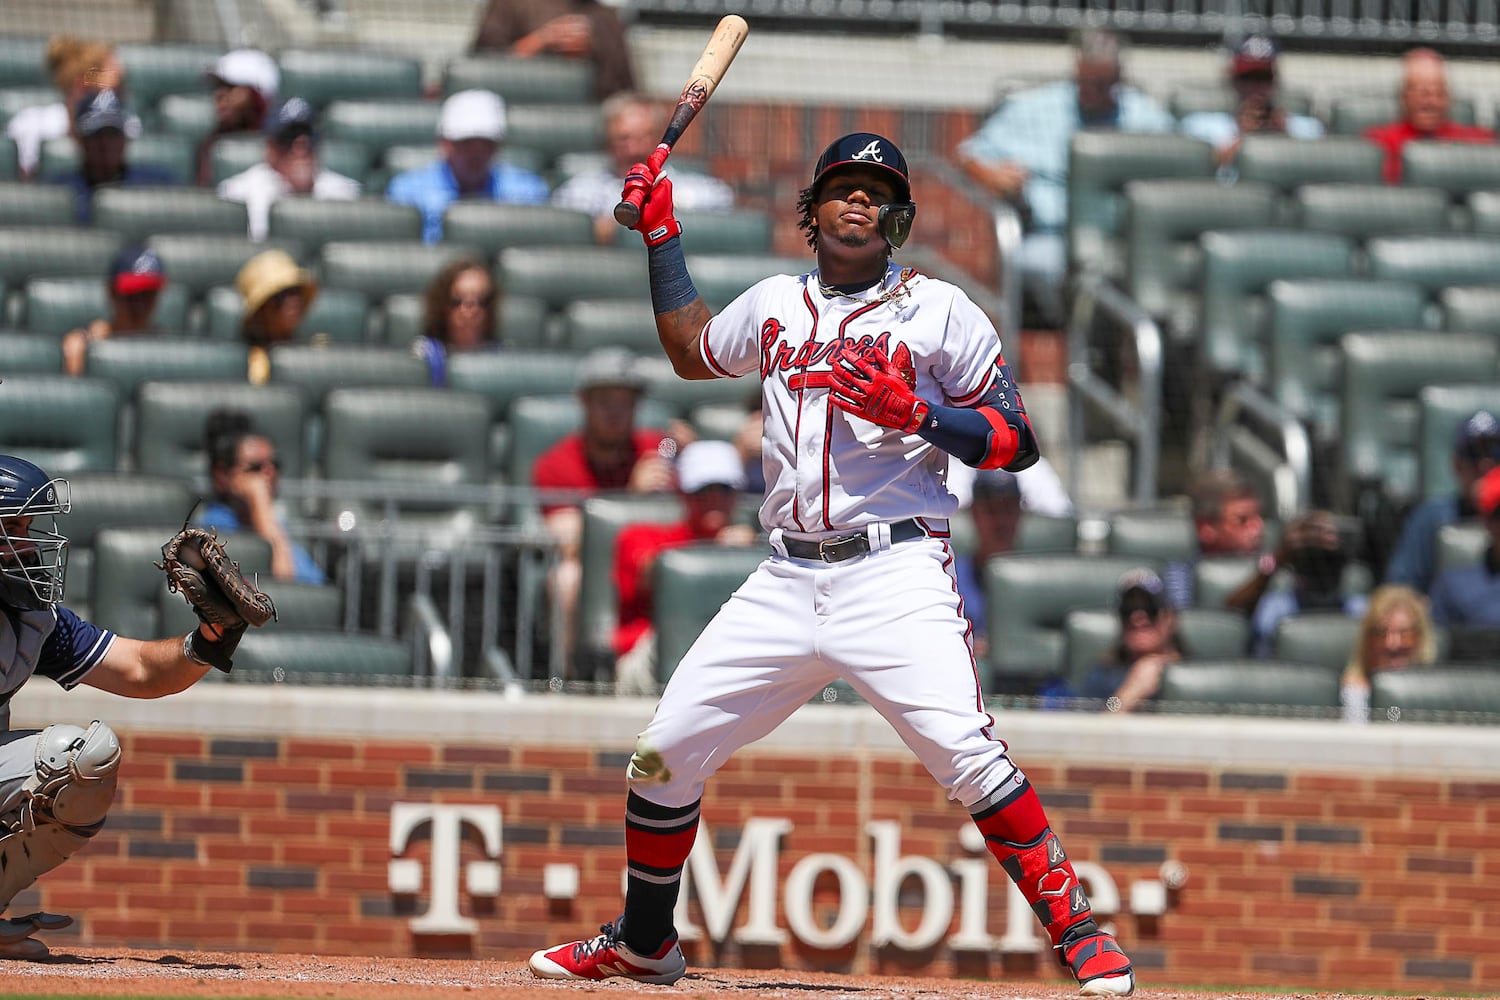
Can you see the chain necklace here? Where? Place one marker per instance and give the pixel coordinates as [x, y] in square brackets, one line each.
[897, 290]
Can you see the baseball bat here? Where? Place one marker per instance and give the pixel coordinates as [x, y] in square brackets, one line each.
[725, 44]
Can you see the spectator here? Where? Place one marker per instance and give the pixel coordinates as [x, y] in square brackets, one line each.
[1020, 154]
[471, 128]
[748, 442]
[1396, 633]
[99, 123]
[995, 510]
[461, 306]
[245, 83]
[245, 474]
[135, 281]
[1227, 521]
[608, 453]
[1476, 450]
[1468, 597]
[573, 29]
[1424, 112]
[709, 479]
[1315, 556]
[277, 295]
[291, 167]
[1042, 490]
[1252, 77]
[76, 65]
[1148, 643]
[633, 126]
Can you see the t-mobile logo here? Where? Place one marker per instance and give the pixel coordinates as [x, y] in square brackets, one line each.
[445, 829]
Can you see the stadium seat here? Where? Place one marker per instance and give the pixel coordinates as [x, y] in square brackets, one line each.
[1090, 635]
[1307, 318]
[384, 267]
[1382, 375]
[1216, 577]
[23, 204]
[1461, 544]
[554, 129]
[1213, 96]
[1435, 262]
[1471, 309]
[10, 165]
[23, 62]
[1361, 211]
[199, 261]
[535, 80]
[170, 424]
[314, 222]
[683, 395]
[1158, 535]
[54, 251]
[136, 213]
[560, 275]
[1288, 164]
[1163, 221]
[155, 70]
[523, 321]
[1441, 408]
[722, 276]
[65, 425]
[1324, 638]
[1455, 167]
[374, 125]
[1248, 687]
[1100, 164]
[54, 306]
[299, 607]
[502, 377]
[174, 154]
[1030, 595]
[127, 589]
[116, 500]
[597, 613]
[321, 656]
[1350, 116]
[689, 586]
[316, 370]
[1237, 268]
[1434, 692]
[234, 154]
[323, 76]
[1040, 533]
[337, 315]
[23, 353]
[1483, 208]
[129, 361]
[716, 232]
[592, 323]
[494, 226]
[189, 115]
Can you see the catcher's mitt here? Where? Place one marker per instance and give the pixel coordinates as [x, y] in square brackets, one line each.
[199, 569]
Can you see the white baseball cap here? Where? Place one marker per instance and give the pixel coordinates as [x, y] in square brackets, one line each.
[248, 68]
[472, 114]
[709, 463]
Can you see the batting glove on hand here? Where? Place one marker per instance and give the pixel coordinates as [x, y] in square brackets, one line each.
[870, 386]
[656, 224]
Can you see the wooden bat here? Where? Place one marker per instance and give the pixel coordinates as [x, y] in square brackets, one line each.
[702, 81]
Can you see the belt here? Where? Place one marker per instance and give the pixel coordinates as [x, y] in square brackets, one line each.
[841, 547]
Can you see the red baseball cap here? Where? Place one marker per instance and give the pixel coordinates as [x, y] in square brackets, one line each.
[1487, 492]
[136, 270]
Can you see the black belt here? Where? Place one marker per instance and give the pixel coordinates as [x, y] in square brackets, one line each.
[841, 547]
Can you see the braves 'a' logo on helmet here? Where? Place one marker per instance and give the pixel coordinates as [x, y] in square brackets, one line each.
[870, 152]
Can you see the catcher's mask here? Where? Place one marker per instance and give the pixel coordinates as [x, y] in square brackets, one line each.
[34, 561]
[866, 149]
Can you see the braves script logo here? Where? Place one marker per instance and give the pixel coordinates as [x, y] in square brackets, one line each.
[778, 355]
[870, 152]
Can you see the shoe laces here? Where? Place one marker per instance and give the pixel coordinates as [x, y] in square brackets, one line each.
[609, 936]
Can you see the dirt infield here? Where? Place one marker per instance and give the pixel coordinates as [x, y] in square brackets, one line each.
[114, 972]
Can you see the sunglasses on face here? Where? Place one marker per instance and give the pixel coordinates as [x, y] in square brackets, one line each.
[284, 295]
[256, 467]
[482, 301]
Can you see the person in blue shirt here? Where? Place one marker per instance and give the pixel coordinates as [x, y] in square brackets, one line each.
[245, 472]
[471, 128]
[1020, 154]
[1468, 597]
[99, 121]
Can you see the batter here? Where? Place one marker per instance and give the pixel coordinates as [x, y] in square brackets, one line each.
[872, 376]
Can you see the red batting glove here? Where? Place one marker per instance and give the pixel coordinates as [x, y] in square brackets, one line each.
[656, 224]
[869, 386]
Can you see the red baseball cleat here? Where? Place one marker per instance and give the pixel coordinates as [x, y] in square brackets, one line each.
[606, 956]
[1101, 968]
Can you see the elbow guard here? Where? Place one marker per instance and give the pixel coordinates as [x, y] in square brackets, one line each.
[1012, 444]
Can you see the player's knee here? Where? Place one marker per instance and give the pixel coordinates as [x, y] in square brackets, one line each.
[647, 767]
[75, 777]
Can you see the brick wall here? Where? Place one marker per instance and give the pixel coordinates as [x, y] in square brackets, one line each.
[1334, 879]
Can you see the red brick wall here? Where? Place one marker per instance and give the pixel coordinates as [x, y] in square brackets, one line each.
[1296, 878]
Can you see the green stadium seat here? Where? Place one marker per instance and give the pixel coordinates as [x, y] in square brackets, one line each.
[380, 268]
[555, 129]
[65, 425]
[1029, 597]
[169, 425]
[317, 370]
[1483, 209]
[235, 154]
[494, 226]
[560, 275]
[10, 160]
[1100, 164]
[321, 656]
[1441, 408]
[337, 315]
[375, 125]
[597, 613]
[502, 377]
[1324, 638]
[126, 588]
[1382, 376]
[689, 586]
[523, 321]
[1288, 164]
[23, 204]
[682, 396]
[1040, 533]
[1455, 167]
[1352, 115]
[1471, 309]
[323, 76]
[129, 361]
[175, 154]
[1158, 535]
[1462, 544]
[1434, 693]
[1237, 268]
[199, 261]
[54, 306]
[1090, 636]
[313, 222]
[54, 251]
[1435, 262]
[1216, 577]
[1248, 687]
[299, 607]
[1307, 318]
[189, 115]
[592, 323]
[117, 500]
[23, 62]
[23, 353]
[722, 276]
[1361, 211]
[1213, 96]
[716, 232]
[537, 80]
[138, 213]
[1163, 221]
[155, 70]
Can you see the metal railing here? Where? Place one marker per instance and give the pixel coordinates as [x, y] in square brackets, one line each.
[1250, 429]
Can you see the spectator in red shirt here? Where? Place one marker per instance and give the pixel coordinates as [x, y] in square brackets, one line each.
[710, 477]
[1424, 112]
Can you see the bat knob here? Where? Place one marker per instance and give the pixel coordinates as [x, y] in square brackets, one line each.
[628, 213]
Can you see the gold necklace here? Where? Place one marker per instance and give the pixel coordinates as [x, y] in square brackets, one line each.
[897, 290]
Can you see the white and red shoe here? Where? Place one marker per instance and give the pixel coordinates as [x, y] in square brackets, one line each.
[1101, 968]
[607, 956]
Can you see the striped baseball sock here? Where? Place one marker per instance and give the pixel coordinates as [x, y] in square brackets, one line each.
[657, 842]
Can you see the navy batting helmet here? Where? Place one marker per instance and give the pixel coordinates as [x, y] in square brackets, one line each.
[32, 562]
[866, 149]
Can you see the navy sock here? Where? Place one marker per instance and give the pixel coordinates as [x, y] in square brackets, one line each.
[658, 840]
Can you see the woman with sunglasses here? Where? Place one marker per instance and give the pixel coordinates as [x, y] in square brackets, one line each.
[461, 306]
[1148, 643]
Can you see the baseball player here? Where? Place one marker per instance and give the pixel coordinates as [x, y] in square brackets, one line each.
[56, 784]
[872, 376]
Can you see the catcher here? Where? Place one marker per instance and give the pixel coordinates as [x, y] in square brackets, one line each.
[57, 784]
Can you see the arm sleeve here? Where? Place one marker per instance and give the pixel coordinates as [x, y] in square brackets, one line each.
[73, 649]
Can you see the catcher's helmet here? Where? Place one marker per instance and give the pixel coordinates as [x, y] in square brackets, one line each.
[866, 149]
[33, 563]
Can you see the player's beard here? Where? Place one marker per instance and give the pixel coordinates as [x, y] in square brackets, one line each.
[855, 239]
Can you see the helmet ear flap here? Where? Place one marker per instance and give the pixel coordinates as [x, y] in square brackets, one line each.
[894, 221]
